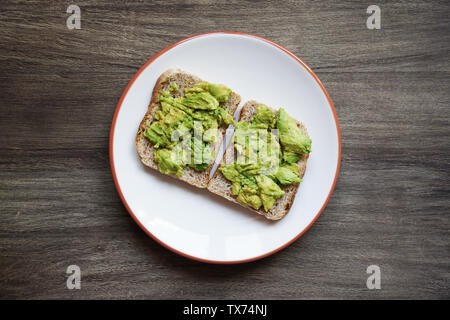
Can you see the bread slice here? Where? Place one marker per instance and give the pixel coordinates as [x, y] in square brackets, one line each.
[145, 148]
[222, 187]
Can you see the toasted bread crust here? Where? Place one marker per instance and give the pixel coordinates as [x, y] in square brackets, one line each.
[222, 187]
[144, 147]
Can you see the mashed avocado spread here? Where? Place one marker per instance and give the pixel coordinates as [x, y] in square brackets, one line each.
[184, 127]
[264, 163]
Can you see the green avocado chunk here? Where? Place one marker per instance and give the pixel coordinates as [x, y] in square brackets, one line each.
[230, 172]
[265, 165]
[218, 91]
[288, 174]
[184, 127]
[249, 198]
[173, 86]
[269, 191]
[290, 157]
[200, 100]
[166, 163]
[291, 138]
[264, 118]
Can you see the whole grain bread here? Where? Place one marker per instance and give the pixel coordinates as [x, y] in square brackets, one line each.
[222, 187]
[145, 149]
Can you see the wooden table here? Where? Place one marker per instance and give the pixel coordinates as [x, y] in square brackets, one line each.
[59, 206]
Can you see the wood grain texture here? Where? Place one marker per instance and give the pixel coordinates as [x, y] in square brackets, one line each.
[59, 89]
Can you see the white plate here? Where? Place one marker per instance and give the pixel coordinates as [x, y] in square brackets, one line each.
[193, 222]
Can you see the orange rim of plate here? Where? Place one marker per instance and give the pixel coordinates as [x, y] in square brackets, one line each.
[119, 105]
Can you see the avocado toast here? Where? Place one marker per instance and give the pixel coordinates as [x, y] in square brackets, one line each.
[179, 102]
[272, 192]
